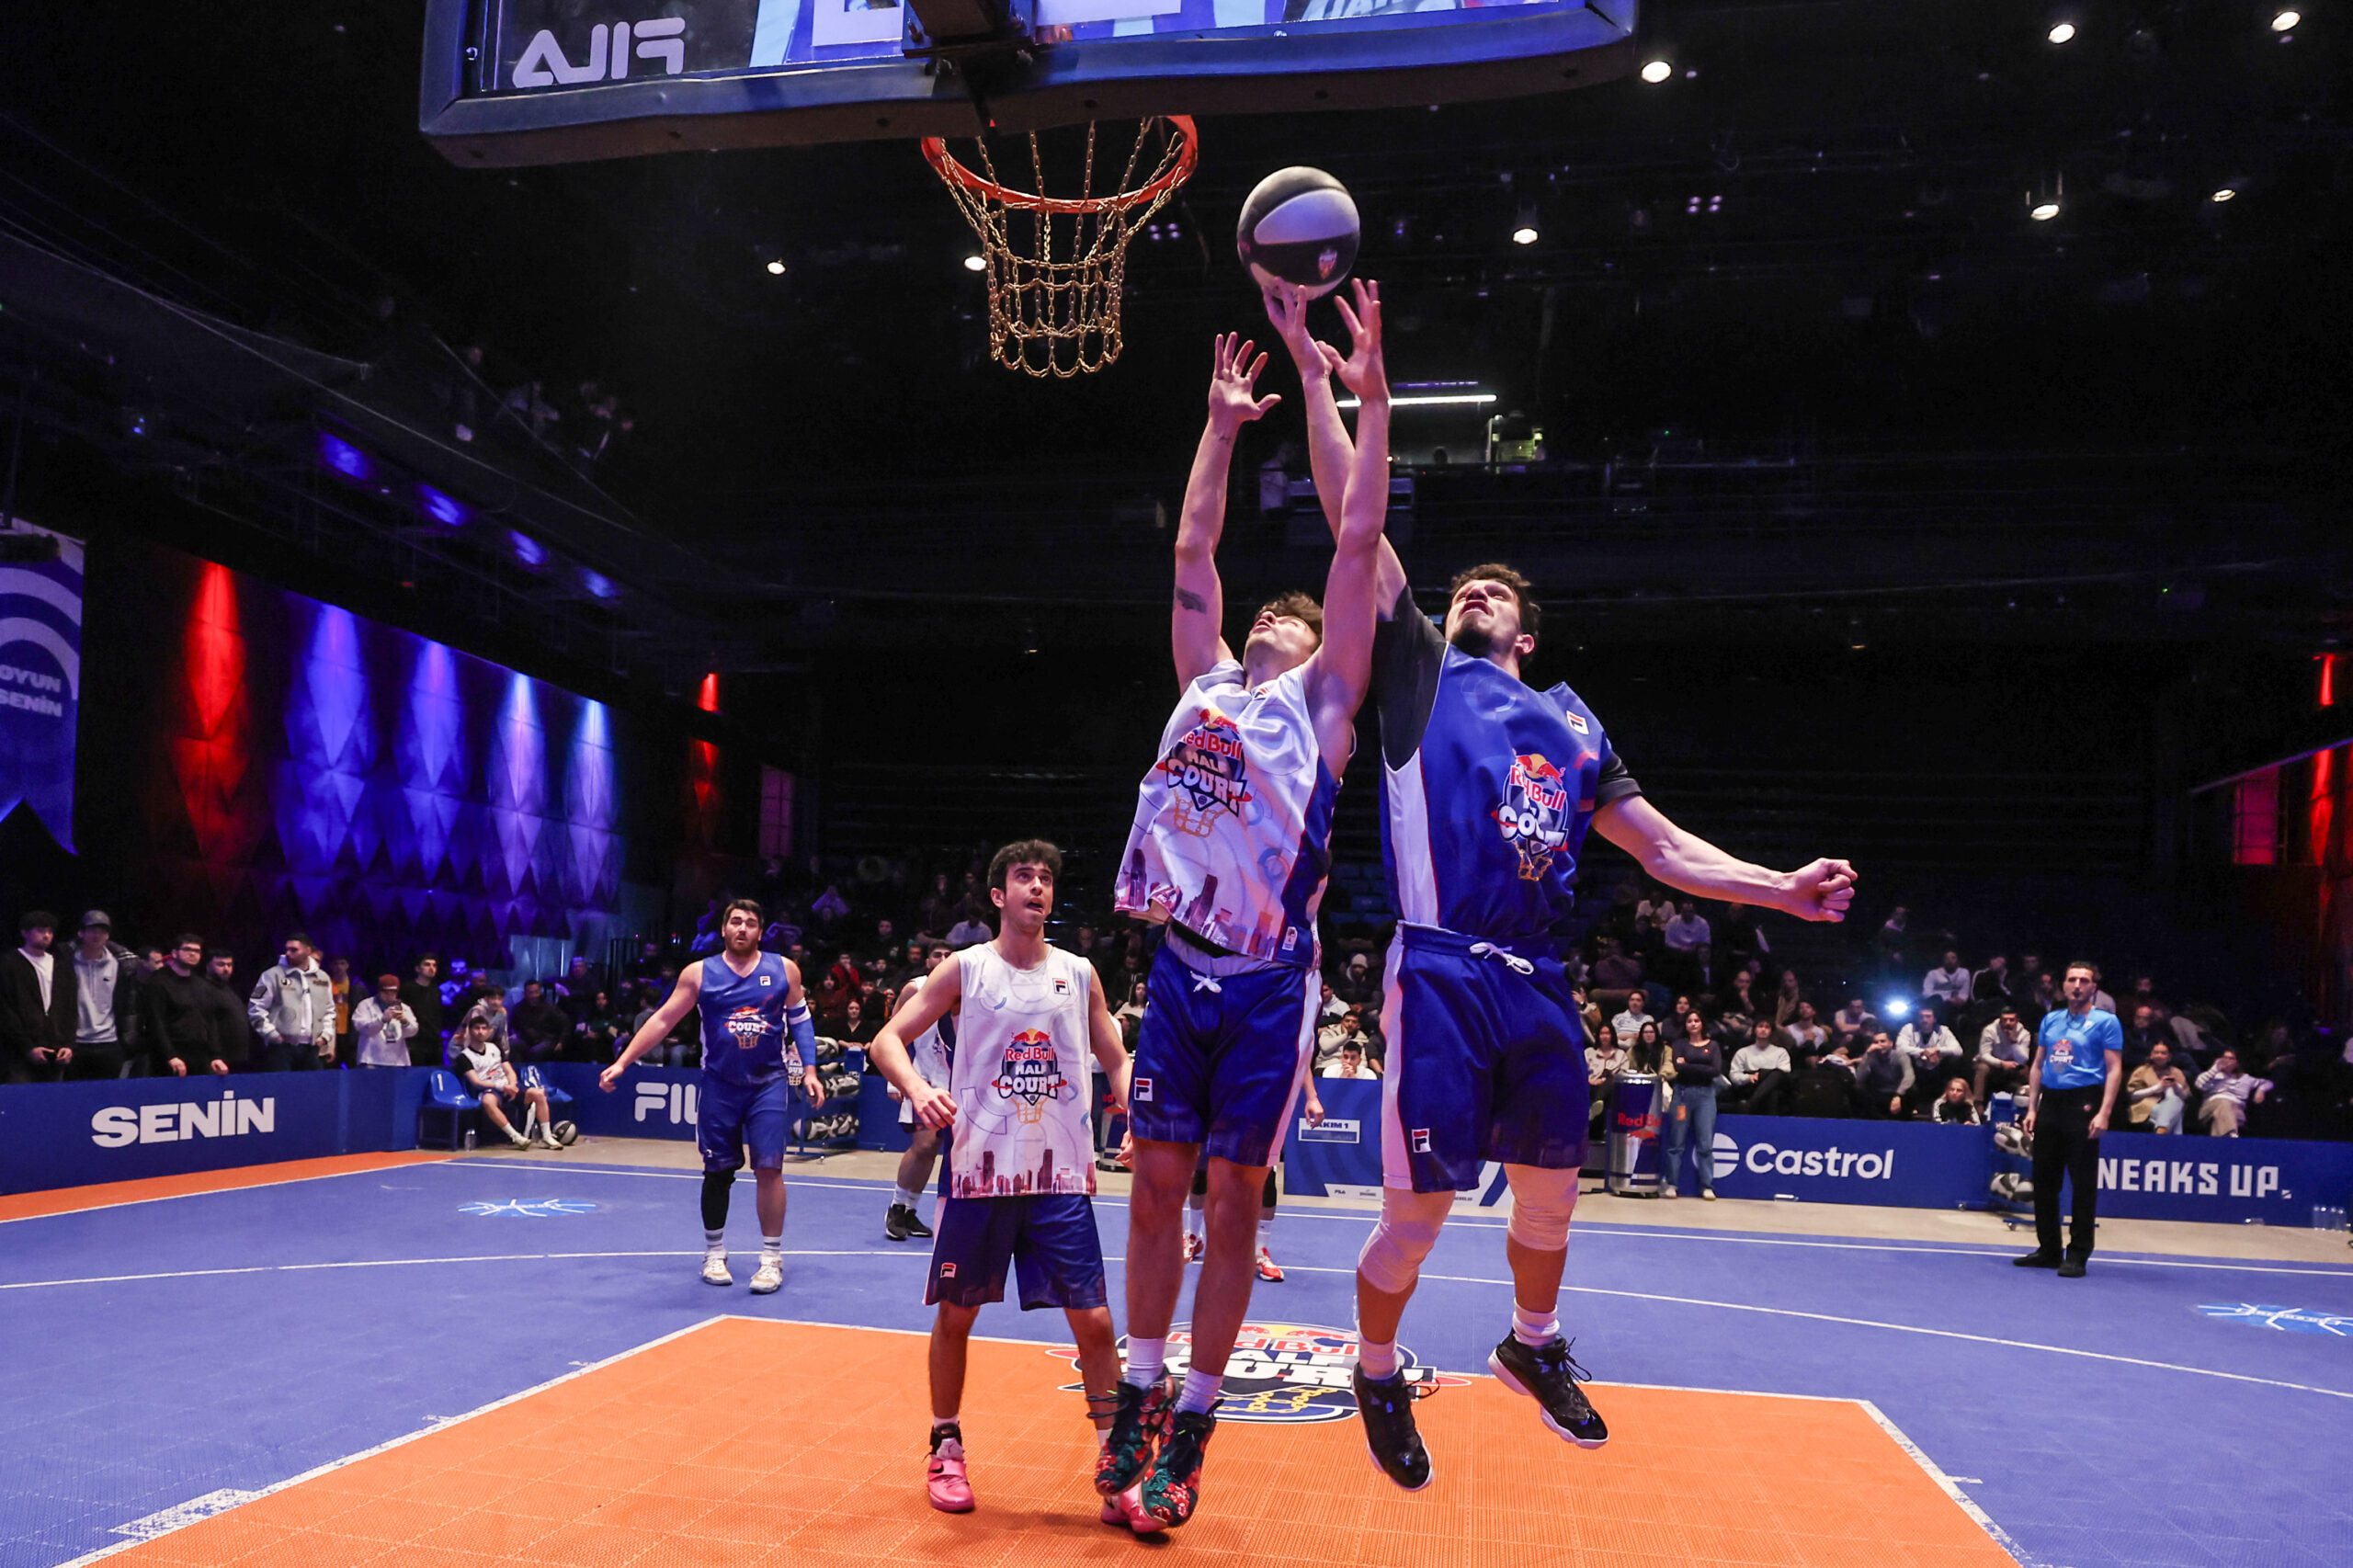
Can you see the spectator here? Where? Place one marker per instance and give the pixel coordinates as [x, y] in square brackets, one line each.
[1604, 1060]
[537, 1028]
[152, 959]
[1949, 982]
[1329, 1005]
[38, 1010]
[597, 1036]
[2229, 1091]
[486, 1072]
[1351, 1063]
[1356, 983]
[1648, 1054]
[339, 977]
[1761, 1069]
[1630, 1023]
[1699, 1069]
[1992, 984]
[181, 1013]
[857, 1028]
[1853, 1021]
[834, 992]
[1671, 1027]
[1347, 1030]
[2145, 1031]
[1882, 1078]
[422, 997]
[293, 1009]
[1788, 998]
[1615, 971]
[2004, 1050]
[1129, 1017]
[1894, 936]
[1954, 1107]
[383, 1026]
[1688, 936]
[969, 930]
[1932, 1054]
[2157, 1092]
[1808, 1037]
[491, 1002]
[105, 991]
[576, 991]
[233, 1029]
[1744, 995]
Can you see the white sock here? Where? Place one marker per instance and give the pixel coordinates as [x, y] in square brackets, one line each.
[1266, 1234]
[906, 1197]
[1530, 1328]
[1145, 1359]
[714, 1242]
[1200, 1390]
[772, 1247]
[1376, 1357]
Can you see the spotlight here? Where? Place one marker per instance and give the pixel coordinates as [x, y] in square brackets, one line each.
[2223, 193]
[1657, 71]
[2042, 203]
[776, 269]
[976, 264]
[1896, 1008]
[2286, 20]
[2061, 33]
[2043, 212]
[1524, 231]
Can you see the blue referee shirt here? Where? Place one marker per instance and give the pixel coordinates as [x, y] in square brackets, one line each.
[2074, 1048]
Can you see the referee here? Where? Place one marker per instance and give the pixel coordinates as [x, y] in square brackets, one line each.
[2070, 1093]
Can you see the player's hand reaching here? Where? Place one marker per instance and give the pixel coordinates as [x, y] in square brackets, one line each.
[1820, 892]
[1364, 372]
[935, 1106]
[1234, 387]
[1287, 309]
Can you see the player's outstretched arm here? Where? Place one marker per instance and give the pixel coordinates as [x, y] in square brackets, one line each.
[1330, 453]
[657, 1028]
[1197, 620]
[1342, 668]
[942, 990]
[1688, 863]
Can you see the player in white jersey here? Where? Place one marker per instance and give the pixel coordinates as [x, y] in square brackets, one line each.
[1231, 849]
[932, 1050]
[1018, 1106]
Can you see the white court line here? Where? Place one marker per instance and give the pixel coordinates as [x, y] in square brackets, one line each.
[313, 1474]
[1947, 1484]
[414, 1262]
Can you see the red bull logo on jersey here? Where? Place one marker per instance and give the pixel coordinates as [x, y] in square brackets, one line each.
[1291, 1374]
[1207, 776]
[748, 1025]
[1534, 813]
[1033, 1071]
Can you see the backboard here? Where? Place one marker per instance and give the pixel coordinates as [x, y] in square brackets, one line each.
[511, 82]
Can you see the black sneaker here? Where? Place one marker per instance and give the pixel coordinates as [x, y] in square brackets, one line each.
[899, 1224]
[2073, 1268]
[1173, 1490]
[1387, 1406]
[915, 1227]
[1139, 1418]
[2037, 1259]
[1548, 1374]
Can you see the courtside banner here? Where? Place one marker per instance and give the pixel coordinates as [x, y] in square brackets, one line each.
[55, 1135]
[40, 679]
[651, 1102]
[2230, 1181]
[1343, 1152]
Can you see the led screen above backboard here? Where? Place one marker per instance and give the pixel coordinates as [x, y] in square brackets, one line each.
[544, 80]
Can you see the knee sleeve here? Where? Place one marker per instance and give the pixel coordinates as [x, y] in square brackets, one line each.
[714, 1198]
[1392, 1259]
[1541, 1203]
[1267, 1198]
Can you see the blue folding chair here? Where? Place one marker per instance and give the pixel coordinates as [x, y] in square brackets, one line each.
[448, 1097]
[534, 1079]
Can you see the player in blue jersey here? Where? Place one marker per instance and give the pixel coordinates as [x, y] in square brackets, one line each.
[757, 1040]
[1489, 787]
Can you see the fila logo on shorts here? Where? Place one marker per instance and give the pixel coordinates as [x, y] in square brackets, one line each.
[947, 1271]
[1141, 1089]
[1421, 1140]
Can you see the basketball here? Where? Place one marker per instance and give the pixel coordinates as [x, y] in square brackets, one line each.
[1299, 226]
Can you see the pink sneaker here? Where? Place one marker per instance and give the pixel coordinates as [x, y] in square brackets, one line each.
[1128, 1509]
[944, 1480]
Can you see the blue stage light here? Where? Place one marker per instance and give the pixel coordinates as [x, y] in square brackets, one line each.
[599, 584]
[528, 551]
[344, 458]
[441, 508]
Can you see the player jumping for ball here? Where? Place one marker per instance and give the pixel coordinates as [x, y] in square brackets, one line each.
[1018, 1107]
[1231, 849]
[1489, 785]
[750, 1002]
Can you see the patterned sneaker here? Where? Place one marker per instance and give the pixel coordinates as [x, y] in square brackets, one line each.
[1268, 1269]
[714, 1269]
[1139, 1418]
[1128, 1509]
[769, 1276]
[944, 1478]
[1386, 1406]
[1548, 1374]
[1174, 1488]
[1193, 1245]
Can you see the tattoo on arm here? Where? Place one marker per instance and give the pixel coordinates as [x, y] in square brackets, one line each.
[1187, 599]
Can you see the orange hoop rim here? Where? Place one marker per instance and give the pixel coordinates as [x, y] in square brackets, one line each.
[935, 152]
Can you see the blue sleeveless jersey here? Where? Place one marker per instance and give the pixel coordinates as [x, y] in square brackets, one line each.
[1488, 787]
[744, 1037]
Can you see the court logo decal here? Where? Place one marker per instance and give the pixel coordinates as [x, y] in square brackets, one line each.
[2285, 1320]
[1534, 814]
[537, 1208]
[1286, 1373]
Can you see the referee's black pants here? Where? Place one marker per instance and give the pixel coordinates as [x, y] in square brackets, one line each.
[2063, 1146]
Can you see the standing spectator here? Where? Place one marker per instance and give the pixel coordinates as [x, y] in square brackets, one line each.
[1699, 1070]
[233, 1030]
[293, 1009]
[37, 1005]
[1949, 982]
[2004, 1050]
[1761, 1068]
[1630, 1023]
[105, 991]
[2229, 1091]
[1932, 1053]
[1954, 1107]
[537, 1027]
[2070, 1095]
[2157, 1093]
[179, 1015]
[422, 997]
[383, 1026]
[339, 978]
[152, 959]
[1882, 1078]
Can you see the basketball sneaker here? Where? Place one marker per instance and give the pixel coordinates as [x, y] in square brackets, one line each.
[899, 1224]
[769, 1276]
[1139, 1417]
[1128, 1509]
[1173, 1489]
[945, 1483]
[1193, 1245]
[1548, 1374]
[1386, 1405]
[1268, 1269]
[548, 1140]
[714, 1269]
[915, 1227]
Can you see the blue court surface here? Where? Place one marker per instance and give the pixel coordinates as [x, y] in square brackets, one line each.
[168, 1358]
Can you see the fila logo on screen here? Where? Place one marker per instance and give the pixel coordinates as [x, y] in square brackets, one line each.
[544, 64]
[1763, 1159]
[677, 1100]
[117, 1126]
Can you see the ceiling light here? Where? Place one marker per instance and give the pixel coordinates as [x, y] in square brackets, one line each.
[2043, 212]
[1658, 71]
[2224, 194]
[1524, 236]
[776, 269]
[2061, 33]
[976, 264]
[2286, 20]
[2043, 201]
[1441, 399]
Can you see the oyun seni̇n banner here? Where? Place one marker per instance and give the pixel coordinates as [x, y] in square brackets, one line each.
[40, 679]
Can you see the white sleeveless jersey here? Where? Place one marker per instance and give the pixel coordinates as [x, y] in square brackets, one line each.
[1232, 835]
[1020, 1077]
[929, 1049]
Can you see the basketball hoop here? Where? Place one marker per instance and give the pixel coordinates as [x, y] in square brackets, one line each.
[1055, 281]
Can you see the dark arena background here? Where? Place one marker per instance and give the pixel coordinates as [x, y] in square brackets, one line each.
[499, 482]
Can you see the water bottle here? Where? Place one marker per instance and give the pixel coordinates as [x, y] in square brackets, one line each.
[2327, 1217]
[470, 1140]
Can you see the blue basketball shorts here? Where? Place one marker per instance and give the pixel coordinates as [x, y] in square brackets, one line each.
[1219, 1058]
[1487, 1062]
[1047, 1237]
[730, 1115]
